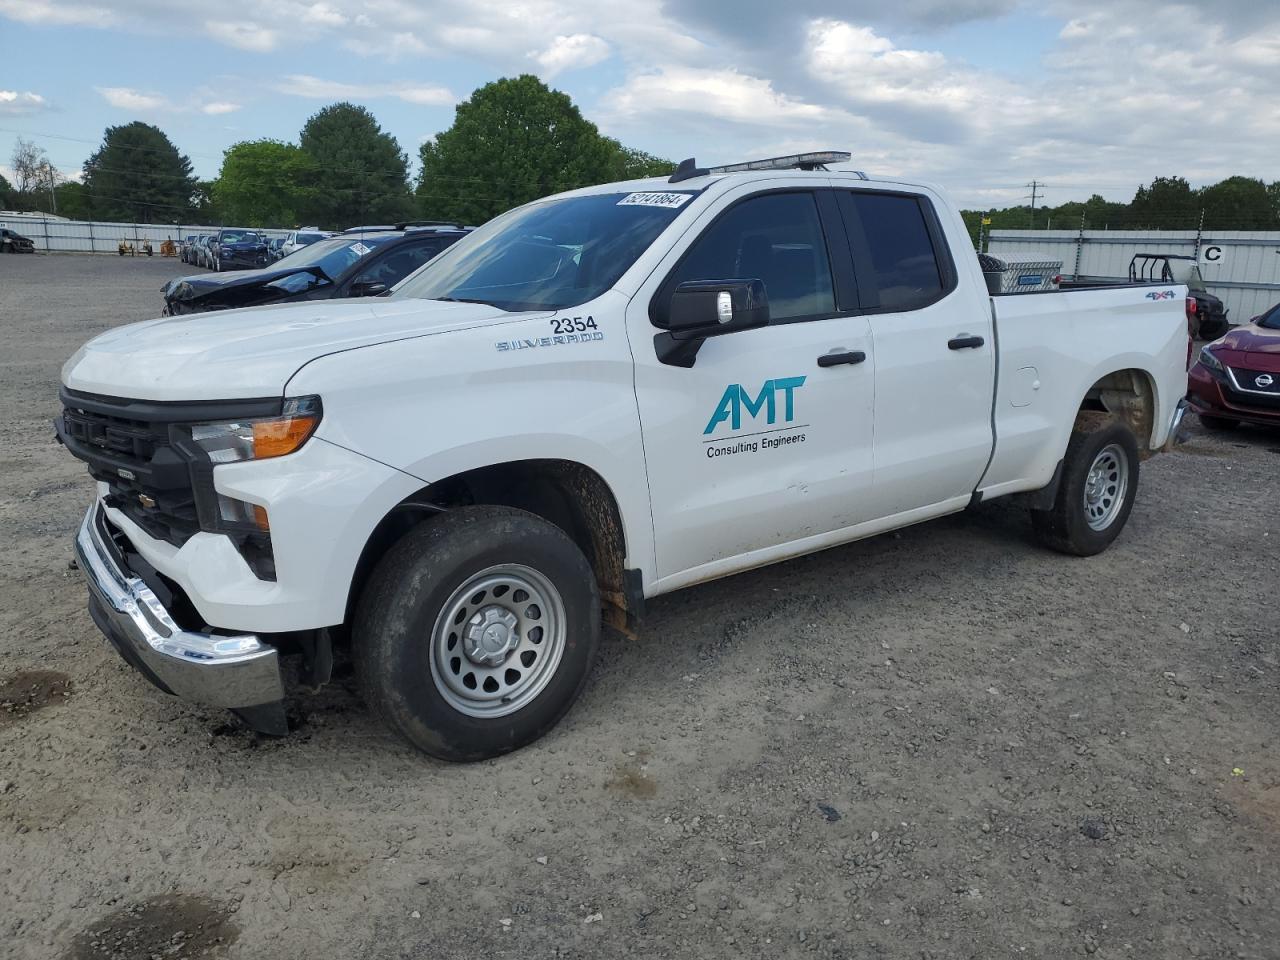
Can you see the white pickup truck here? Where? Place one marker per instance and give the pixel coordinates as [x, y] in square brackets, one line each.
[593, 399]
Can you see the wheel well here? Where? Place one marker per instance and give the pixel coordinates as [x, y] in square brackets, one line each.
[572, 496]
[1126, 395]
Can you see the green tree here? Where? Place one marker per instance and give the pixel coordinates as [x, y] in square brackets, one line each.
[6, 190]
[73, 201]
[1237, 203]
[204, 209]
[512, 141]
[360, 173]
[633, 164]
[265, 183]
[138, 175]
[1168, 204]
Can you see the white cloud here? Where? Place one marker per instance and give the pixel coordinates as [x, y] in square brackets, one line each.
[126, 98]
[219, 107]
[722, 94]
[14, 102]
[49, 12]
[246, 36]
[316, 88]
[573, 52]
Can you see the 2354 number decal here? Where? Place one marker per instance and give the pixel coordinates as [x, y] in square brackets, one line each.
[563, 325]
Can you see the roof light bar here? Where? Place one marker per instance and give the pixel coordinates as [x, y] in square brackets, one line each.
[818, 160]
[803, 161]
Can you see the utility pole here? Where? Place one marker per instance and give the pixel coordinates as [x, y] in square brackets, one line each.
[1036, 188]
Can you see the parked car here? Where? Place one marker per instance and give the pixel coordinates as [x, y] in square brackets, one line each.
[200, 251]
[338, 267]
[593, 399]
[298, 239]
[13, 242]
[235, 248]
[275, 248]
[1236, 379]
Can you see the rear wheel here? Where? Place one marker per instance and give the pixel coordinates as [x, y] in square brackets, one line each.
[1096, 493]
[476, 632]
[1218, 424]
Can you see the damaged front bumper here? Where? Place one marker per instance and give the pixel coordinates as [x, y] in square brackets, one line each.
[235, 671]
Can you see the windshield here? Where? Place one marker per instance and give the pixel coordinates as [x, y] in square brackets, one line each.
[306, 238]
[1270, 319]
[238, 236]
[548, 256]
[332, 256]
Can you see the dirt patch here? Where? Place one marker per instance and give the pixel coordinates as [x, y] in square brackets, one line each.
[173, 926]
[24, 693]
[632, 780]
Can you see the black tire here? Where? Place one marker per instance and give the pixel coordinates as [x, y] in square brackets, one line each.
[409, 589]
[1065, 527]
[1218, 424]
[1211, 328]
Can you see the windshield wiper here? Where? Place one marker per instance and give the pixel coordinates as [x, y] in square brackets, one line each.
[462, 300]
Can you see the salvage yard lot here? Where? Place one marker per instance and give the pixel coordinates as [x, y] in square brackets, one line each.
[940, 743]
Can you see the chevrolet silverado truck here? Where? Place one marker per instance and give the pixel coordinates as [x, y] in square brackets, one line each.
[591, 400]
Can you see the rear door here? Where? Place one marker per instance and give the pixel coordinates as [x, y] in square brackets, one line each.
[756, 445]
[934, 353]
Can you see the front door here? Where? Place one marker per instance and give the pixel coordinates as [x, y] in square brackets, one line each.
[756, 444]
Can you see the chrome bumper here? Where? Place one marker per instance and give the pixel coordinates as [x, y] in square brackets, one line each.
[237, 672]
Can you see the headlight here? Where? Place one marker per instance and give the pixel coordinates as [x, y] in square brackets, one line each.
[259, 438]
[1210, 361]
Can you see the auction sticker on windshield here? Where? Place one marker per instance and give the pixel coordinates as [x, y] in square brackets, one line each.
[654, 200]
[359, 248]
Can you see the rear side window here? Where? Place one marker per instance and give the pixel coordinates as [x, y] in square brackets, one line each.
[894, 256]
[776, 238]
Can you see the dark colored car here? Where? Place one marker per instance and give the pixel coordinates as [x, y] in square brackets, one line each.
[275, 248]
[237, 249]
[1237, 378]
[344, 266]
[12, 242]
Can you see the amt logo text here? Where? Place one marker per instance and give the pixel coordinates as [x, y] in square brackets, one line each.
[737, 398]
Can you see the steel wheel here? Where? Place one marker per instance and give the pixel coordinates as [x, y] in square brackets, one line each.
[1105, 487]
[498, 641]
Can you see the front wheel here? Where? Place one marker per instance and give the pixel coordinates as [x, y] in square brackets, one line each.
[477, 631]
[1096, 493]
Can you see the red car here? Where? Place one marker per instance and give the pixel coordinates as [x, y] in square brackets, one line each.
[1237, 378]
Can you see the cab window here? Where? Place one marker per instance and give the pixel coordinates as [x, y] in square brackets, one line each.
[398, 264]
[776, 238]
[894, 256]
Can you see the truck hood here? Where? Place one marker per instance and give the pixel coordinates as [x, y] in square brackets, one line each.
[235, 354]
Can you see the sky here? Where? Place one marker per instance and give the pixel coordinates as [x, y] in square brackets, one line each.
[978, 96]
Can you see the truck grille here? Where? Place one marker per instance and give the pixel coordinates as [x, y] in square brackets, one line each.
[149, 480]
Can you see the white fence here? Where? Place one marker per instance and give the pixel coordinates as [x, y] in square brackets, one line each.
[1240, 266]
[84, 236]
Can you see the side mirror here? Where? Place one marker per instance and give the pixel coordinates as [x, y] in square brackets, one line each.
[709, 308]
[367, 288]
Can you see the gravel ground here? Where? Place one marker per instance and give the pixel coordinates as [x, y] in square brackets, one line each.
[942, 743]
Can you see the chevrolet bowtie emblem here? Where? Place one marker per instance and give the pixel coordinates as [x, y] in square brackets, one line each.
[146, 501]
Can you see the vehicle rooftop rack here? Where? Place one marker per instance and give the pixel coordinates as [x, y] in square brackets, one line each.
[817, 160]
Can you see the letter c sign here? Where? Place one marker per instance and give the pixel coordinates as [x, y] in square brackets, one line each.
[1212, 255]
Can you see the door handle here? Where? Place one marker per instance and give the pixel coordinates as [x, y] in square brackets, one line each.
[965, 342]
[835, 358]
